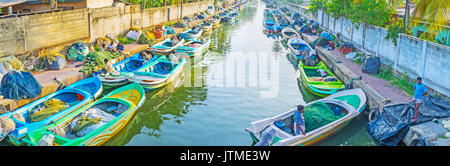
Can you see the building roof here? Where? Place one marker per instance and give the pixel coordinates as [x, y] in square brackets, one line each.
[5, 3]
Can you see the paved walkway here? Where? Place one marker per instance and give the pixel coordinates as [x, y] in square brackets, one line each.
[383, 87]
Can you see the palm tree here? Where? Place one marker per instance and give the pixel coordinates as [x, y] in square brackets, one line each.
[433, 11]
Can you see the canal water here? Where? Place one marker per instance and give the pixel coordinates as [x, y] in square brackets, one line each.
[245, 76]
[214, 102]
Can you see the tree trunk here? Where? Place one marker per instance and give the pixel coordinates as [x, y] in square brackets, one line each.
[54, 4]
[407, 10]
[165, 2]
[143, 4]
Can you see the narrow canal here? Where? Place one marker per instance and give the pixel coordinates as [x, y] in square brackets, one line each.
[217, 98]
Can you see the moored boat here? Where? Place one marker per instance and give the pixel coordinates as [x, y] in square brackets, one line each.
[319, 80]
[125, 67]
[279, 130]
[47, 109]
[192, 33]
[192, 49]
[288, 33]
[299, 49]
[94, 123]
[270, 26]
[158, 73]
[166, 46]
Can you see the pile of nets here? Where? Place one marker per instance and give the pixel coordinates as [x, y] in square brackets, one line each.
[20, 85]
[78, 51]
[146, 38]
[95, 61]
[133, 33]
[7, 125]
[319, 114]
[48, 109]
[102, 40]
[10, 63]
[169, 30]
[89, 121]
[54, 61]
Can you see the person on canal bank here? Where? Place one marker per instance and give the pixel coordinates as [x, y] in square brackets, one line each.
[419, 92]
[119, 47]
[299, 121]
[111, 47]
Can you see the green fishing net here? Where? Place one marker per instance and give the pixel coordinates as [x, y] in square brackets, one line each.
[317, 115]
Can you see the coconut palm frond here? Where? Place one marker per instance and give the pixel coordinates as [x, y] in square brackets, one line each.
[433, 11]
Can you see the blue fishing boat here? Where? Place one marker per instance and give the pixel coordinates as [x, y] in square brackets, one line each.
[192, 49]
[158, 73]
[166, 46]
[125, 67]
[31, 116]
[299, 49]
[270, 26]
[192, 33]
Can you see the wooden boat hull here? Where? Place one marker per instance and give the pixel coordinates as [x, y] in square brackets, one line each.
[159, 49]
[151, 81]
[321, 89]
[82, 88]
[188, 52]
[132, 96]
[353, 101]
[116, 81]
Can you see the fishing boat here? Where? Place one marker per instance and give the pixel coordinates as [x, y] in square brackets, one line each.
[320, 82]
[270, 26]
[95, 123]
[288, 33]
[191, 49]
[223, 15]
[45, 110]
[215, 21]
[206, 25]
[345, 105]
[158, 73]
[125, 67]
[299, 49]
[165, 47]
[192, 33]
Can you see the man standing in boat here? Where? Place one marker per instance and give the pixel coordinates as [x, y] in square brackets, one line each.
[299, 121]
[419, 91]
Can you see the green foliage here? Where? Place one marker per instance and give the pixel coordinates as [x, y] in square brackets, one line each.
[294, 1]
[316, 5]
[402, 83]
[395, 29]
[153, 3]
[374, 12]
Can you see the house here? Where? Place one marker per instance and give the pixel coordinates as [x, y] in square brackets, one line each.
[33, 6]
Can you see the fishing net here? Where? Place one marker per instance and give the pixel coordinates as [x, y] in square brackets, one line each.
[11, 63]
[319, 114]
[95, 61]
[7, 125]
[102, 40]
[78, 51]
[144, 39]
[49, 108]
[20, 85]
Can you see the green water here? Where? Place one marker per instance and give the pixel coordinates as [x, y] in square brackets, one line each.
[201, 108]
[210, 114]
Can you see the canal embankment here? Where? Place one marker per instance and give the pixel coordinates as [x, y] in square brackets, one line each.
[107, 24]
[411, 56]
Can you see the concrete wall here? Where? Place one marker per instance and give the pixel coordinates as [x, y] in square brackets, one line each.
[99, 3]
[412, 55]
[29, 33]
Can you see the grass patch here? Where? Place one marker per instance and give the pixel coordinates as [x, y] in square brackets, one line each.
[402, 83]
[125, 40]
[357, 59]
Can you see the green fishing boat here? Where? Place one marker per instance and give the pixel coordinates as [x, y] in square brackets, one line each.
[92, 124]
[319, 80]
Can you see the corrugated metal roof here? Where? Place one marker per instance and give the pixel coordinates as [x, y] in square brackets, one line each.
[4, 3]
